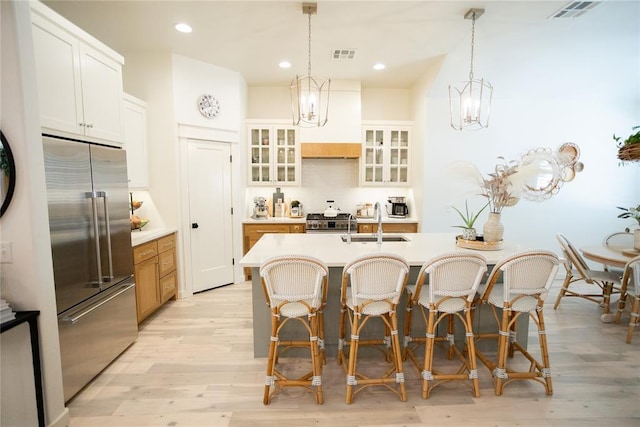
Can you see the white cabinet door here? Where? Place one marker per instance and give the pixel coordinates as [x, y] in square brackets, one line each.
[135, 137]
[385, 155]
[58, 77]
[79, 80]
[101, 94]
[274, 155]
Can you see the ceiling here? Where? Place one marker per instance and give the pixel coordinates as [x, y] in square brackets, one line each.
[253, 37]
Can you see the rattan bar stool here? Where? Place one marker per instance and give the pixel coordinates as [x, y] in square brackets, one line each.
[630, 290]
[453, 281]
[526, 280]
[377, 282]
[295, 288]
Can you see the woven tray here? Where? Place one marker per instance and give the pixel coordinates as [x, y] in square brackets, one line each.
[629, 153]
[479, 245]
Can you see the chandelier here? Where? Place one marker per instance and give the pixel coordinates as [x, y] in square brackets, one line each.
[470, 106]
[309, 94]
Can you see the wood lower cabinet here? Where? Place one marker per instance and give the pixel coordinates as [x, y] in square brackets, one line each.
[155, 274]
[251, 233]
[390, 227]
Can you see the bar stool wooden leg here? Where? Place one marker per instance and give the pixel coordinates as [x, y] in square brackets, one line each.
[427, 374]
[471, 353]
[397, 356]
[271, 362]
[500, 372]
[353, 354]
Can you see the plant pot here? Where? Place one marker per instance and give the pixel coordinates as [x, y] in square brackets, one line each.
[636, 239]
[469, 233]
[493, 229]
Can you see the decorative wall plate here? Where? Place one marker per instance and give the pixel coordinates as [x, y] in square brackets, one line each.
[209, 106]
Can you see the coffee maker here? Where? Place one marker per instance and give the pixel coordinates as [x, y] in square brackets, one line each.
[399, 208]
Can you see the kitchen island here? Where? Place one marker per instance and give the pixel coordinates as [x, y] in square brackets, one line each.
[417, 249]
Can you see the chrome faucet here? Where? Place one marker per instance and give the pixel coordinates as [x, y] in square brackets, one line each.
[377, 213]
[349, 228]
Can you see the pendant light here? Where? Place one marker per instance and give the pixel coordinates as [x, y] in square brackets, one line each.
[470, 106]
[309, 94]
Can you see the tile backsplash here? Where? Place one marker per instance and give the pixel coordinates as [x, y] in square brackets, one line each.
[331, 179]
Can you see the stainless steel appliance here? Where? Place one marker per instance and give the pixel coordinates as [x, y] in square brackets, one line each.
[260, 208]
[319, 223]
[88, 200]
[399, 208]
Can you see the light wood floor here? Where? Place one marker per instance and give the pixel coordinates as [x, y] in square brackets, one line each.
[193, 365]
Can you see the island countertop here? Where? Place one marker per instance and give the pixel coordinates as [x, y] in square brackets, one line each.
[329, 248]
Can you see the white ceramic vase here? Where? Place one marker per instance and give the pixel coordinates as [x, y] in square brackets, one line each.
[636, 239]
[493, 229]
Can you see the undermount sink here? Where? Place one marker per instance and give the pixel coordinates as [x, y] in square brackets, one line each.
[364, 239]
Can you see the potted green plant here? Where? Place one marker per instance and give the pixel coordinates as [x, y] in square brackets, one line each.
[629, 148]
[296, 208]
[469, 219]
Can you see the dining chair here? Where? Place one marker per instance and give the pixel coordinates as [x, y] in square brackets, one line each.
[295, 288]
[371, 288]
[630, 290]
[618, 241]
[577, 270]
[526, 280]
[453, 280]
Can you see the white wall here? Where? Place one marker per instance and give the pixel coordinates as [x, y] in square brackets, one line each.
[551, 86]
[28, 281]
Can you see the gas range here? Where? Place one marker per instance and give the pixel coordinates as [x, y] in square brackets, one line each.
[318, 223]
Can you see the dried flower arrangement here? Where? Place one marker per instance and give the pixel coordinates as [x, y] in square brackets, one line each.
[497, 188]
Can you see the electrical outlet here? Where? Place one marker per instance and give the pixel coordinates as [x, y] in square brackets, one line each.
[6, 253]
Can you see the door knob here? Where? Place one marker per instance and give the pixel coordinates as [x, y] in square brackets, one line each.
[194, 225]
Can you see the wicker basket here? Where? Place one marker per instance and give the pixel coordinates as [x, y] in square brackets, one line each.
[629, 153]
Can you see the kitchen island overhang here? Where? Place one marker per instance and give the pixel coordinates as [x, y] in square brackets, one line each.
[417, 249]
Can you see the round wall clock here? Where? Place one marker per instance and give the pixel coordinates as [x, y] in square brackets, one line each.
[209, 106]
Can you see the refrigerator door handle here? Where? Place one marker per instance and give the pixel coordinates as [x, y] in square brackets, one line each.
[74, 319]
[96, 231]
[107, 220]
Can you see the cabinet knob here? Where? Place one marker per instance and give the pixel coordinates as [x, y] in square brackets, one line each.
[194, 225]
[89, 125]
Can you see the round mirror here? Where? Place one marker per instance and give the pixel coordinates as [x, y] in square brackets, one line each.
[542, 174]
[7, 174]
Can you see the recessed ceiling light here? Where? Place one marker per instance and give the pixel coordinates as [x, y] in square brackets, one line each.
[284, 64]
[379, 66]
[183, 28]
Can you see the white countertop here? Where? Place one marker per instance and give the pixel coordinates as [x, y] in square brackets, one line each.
[290, 220]
[335, 253]
[139, 237]
[279, 219]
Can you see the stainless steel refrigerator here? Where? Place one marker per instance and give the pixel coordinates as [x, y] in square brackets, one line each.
[92, 256]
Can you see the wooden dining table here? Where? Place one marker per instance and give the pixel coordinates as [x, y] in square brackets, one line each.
[611, 256]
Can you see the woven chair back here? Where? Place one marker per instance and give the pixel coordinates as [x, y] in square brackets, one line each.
[619, 240]
[377, 277]
[294, 278]
[574, 259]
[631, 275]
[456, 274]
[529, 273]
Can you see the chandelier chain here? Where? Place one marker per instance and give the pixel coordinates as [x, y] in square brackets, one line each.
[309, 61]
[473, 40]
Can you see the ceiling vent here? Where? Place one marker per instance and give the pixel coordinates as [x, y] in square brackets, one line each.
[344, 53]
[574, 9]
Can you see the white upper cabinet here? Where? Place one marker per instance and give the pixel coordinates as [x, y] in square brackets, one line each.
[135, 137]
[274, 155]
[385, 155]
[79, 80]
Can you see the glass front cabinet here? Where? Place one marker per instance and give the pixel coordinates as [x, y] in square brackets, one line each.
[385, 155]
[274, 155]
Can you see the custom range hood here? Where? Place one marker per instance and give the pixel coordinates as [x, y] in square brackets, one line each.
[340, 137]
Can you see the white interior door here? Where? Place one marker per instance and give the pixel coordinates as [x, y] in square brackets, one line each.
[210, 214]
